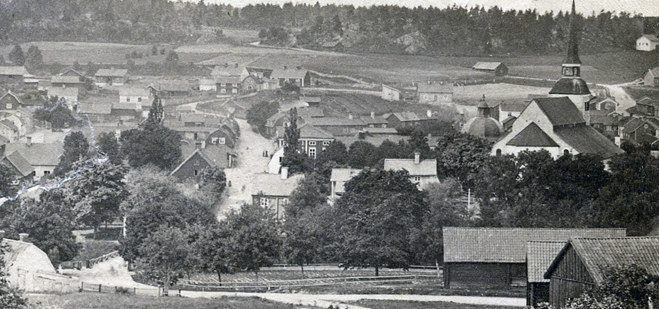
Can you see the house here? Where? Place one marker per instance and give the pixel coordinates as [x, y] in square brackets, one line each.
[8, 130]
[192, 166]
[483, 125]
[96, 112]
[604, 122]
[408, 119]
[539, 255]
[602, 104]
[338, 178]
[498, 68]
[338, 126]
[30, 83]
[22, 170]
[510, 109]
[645, 106]
[257, 73]
[250, 84]
[434, 93]
[228, 84]
[68, 95]
[169, 89]
[207, 84]
[10, 101]
[373, 121]
[227, 70]
[125, 111]
[274, 191]
[312, 140]
[73, 72]
[373, 136]
[255, 79]
[496, 257]
[26, 265]
[291, 76]
[582, 263]
[647, 42]
[43, 157]
[12, 74]
[556, 125]
[43, 84]
[422, 173]
[641, 130]
[651, 78]
[140, 97]
[111, 77]
[67, 81]
[390, 93]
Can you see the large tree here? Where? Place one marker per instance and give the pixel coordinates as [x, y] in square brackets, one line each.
[163, 255]
[213, 249]
[56, 112]
[76, 148]
[294, 158]
[376, 219]
[16, 55]
[33, 59]
[108, 144]
[153, 144]
[461, 156]
[258, 114]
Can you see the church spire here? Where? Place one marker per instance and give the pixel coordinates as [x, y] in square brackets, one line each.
[573, 43]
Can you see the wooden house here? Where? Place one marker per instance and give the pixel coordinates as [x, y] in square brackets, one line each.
[498, 68]
[338, 179]
[274, 191]
[313, 140]
[12, 74]
[110, 77]
[26, 266]
[647, 42]
[293, 76]
[421, 172]
[390, 93]
[582, 263]
[651, 78]
[67, 81]
[539, 255]
[192, 166]
[496, 257]
[641, 130]
[434, 93]
[10, 101]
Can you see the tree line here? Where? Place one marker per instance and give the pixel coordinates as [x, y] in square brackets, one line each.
[449, 30]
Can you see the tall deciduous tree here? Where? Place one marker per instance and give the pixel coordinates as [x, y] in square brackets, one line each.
[376, 220]
[153, 144]
[33, 59]
[76, 148]
[164, 254]
[258, 114]
[16, 55]
[108, 144]
[294, 159]
[56, 112]
[213, 249]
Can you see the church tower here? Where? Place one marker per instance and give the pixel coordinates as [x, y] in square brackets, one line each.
[571, 84]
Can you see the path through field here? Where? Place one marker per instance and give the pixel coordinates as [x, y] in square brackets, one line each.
[250, 162]
[325, 300]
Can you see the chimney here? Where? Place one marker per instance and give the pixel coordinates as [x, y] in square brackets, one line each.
[284, 172]
[417, 157]
[372, 115]
[350, 116]
[2, 234]
[28, 140]
[23, 236]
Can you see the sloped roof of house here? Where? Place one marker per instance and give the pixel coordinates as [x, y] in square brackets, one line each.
[486, 66]
[336, 122]
[253, 71]
[196, 153]
[602, 117]
[62, 92]
[434, 88]
[229, 70]
[310, 112]
[651, 37]
[539, 255]
[66, 79]
[13, 96]
[207, 82]
[273, 185]
[124, 106]
[403, 116]
[173, 86]
[227, 80]
[20, 163]
[45, 154]
[111, 72]
[91, 108]
[532, 136]
[13, 70]
[599, 254]
[15, 248]
[344, 174]
[370, 130]
[654, 71]
[426, 167]
[293, 73]
[374, 139]
[512, 106]
[134, 91]
[560, 111]
[9, 124]
[506, 245]
[312, 132]
[72, 71]
[585, 139]
[649, 101]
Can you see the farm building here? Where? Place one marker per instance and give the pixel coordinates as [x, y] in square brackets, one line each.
[21, 169]
[293, 76]
[110, 77]
[647, 42]
[68, 95]
[27, 266]
[207, 84]
[168, 89]
[434, 93]
[10, 101]
[646, 106]
[496, 257]
[66, 81]
[140, 97]
[539, 255]
[390, 93]
[651, 78]
[192, 166]
[96, 112]
[498, 68]
[639, 131]
[228, 84]
[555, 125]
[12, 74]
[227, 70]
[582, 263]
[422, 172]
[338, 179]
[602, 104]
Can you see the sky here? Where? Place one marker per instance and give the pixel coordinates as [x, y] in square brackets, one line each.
[586, 7]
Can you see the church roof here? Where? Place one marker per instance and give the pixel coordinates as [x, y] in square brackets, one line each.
[532, 136]
[585, 139]
[483, 127]
[570, 86]
[573, 41]
[560, 111]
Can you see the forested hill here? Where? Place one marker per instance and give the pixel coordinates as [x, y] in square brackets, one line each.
[454, 30]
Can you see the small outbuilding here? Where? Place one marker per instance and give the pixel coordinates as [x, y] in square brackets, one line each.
[582, 263]
[498, 68]
[651, 78]
[25, 264]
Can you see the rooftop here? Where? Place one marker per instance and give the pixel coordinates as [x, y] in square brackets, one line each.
[560, 111]
[20, 163]
[344, 174]
[273, 185]
[66, 79]
[585, 139]
[539, 255]
[532, 136]
[426, 167]
[43, 154]
[13, 70]
[488, 66]
[111, 72]
[62, 92]
[435, 88]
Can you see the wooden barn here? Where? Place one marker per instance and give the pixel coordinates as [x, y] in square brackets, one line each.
[539, 255]
[498, 68]
[582, 263]
[496, 257]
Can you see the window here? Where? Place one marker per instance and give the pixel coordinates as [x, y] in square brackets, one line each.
[9, 106]
[498, 152]
[46, 172]
[265, 202]
[312, 153]
[128, 100]
[312, 143]
[215, 140]
[417, 179]
[195, 135]
[198, 145]
[221, 140]
[326, 143]
[566, 152]
[284, 201]
[196, 172]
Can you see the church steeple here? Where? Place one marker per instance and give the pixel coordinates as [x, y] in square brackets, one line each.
[573, 43]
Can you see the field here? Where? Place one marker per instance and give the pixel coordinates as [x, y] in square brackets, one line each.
[111, 301]
[389, 304]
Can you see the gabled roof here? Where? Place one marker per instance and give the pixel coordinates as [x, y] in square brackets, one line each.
[599, 254]
[654, 72]
[647, 100]
[585, 139]
[539, 255]
[344, 174]
[310, 112]
[513, 106]
[111, 72]
[294, 73]
[487, 66]
[434, 88]
[91, 108]
[308, 131]
[602, 117]
[651, 37]
[13, 70]
[134, 91]
[426, 167]
[229, 70]
[171, 86]
[336, 121]
[62, 92]
[9, 124]
[72, 71]
[196, 153]
[253, 71]
[20, 163]
[66, 79]
[13, 96]
[404, 116]
[506, 245]
[560, 111]
[43, 154]
[532, 136]
[273, 185]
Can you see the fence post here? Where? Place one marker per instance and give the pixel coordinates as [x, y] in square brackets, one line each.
[134, 291]
[99, 288]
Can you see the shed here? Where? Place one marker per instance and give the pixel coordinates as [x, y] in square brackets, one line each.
[582, 263]
[496, 257]
[539, 255]
[24, 262]
[498, 68]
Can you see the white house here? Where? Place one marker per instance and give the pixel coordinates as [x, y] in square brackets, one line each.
[138, 96]
[338, 179]
[390, 93]
[422, 173]
[25, 264]
[647, 42]
[207, 84]
[651, 78]
[435, 93]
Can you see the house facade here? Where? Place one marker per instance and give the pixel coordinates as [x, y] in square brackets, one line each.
[651, 78]
[647, 42]
[12, 74]
[26, 266]
[390, 93]
[641, 131]
[338, 178]
[421, 172]
[43, 157]
[111, 77]
[434, 93]
[10, 101]
[139, 97]
[292, 76]
[273, 192]
[312, 140]
[68, 95]
[67, 81]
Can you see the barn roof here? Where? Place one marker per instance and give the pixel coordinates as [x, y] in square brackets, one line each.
[532, 136]
[506, 245]
[486, 66]
[539, 255]
[228, 70]
[111, 72]
[585, 139]
[66, 79]
[13, 70]
[426, 167]
[197, 152]
[21, 165]
[599, 254]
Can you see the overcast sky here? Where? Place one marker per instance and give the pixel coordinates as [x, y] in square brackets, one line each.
[586, 7]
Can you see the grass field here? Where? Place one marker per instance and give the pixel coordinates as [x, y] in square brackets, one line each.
[112, 301]
[389, 304]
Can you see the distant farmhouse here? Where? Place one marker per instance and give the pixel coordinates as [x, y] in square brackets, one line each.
[434, 93]
[298, 77]
[13, 74]
[647, 42]
[582, 263]
[498, 68]
[10, 101]
[422, 172]
[651, 78]
[68, 95]
[111, 77]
